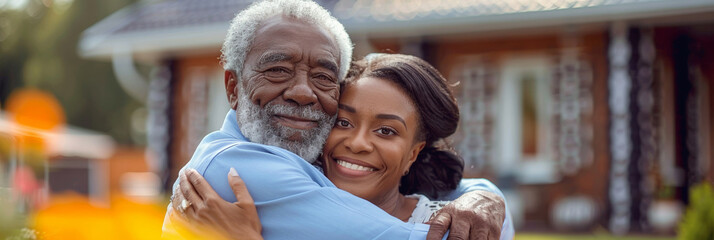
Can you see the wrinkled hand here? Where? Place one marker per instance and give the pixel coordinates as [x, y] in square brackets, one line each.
[238, 220]
[476, 215]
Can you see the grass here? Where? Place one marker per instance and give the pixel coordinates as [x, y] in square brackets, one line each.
[596, 236]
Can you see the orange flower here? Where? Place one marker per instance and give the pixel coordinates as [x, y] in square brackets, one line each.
[75, 217]
[35, 108]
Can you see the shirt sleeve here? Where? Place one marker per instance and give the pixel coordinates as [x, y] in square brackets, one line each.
[295, 201]
[469, 185]
[475, 184]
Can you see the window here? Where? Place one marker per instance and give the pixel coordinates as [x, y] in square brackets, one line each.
[523, 135]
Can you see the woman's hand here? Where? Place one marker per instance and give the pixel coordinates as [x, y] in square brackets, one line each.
[200, 204]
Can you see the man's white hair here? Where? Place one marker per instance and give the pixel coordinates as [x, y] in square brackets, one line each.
[242, 31]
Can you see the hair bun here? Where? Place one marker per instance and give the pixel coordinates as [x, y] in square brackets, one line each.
[434, 171]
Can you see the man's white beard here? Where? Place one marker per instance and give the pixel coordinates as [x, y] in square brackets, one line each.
[255, 124]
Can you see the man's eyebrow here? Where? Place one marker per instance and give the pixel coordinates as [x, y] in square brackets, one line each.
[390, 116]
[329, 64]
[346, 108]
[273, 57]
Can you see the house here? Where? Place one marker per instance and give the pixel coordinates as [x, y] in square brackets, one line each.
[38, 163]
[43, 159]
[585, 112]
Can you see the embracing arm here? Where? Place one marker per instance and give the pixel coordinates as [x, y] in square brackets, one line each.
[467, 185]
[295, 201]
[209, 216]
[478, 211]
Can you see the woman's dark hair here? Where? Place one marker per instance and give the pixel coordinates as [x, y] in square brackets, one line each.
[437, 167]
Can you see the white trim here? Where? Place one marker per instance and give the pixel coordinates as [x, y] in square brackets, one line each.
[475, 137]
[156, 44]
[128, 77]
[516, 20]
[619, 86]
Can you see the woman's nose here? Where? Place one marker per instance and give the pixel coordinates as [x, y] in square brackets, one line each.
[358, 142]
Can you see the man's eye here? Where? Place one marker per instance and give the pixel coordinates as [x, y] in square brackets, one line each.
[324, 77]
[277, 72]
[324, 80]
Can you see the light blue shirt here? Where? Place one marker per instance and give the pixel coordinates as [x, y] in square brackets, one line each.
[295, 200]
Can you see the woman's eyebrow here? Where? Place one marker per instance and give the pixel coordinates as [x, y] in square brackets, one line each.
[346, 108]
[379, 116]
[391, 116]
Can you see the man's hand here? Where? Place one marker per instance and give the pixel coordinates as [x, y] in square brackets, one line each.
[238, 220]
[476, 215]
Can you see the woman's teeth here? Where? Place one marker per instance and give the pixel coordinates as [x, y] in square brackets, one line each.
[354, 166]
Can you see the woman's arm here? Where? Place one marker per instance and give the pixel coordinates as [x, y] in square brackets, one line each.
[200, 205]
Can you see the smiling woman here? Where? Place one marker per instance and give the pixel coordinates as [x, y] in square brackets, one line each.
[374, 143]
[393, 114]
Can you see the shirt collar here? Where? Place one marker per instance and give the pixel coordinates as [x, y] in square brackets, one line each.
[230, 125]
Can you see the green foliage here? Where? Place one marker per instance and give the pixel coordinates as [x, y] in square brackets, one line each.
[38, 49]
[665, 192]
[593, 236]
[698, 222]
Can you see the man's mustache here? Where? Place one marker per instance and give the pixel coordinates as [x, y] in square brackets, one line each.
[304, 112]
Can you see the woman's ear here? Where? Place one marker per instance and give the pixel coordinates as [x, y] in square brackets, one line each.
[413, 154]
[231, 81]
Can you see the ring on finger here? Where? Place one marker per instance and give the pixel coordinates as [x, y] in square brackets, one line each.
[184, 205]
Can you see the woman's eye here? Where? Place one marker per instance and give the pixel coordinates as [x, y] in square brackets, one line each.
[342, 123]
[386, 131]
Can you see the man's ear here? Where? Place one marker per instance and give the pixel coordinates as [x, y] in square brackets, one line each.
[231, 82]
[413, 154]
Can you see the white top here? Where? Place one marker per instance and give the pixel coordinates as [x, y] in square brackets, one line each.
[425, 208]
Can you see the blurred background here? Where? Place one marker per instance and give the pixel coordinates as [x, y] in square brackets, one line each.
[593, 116]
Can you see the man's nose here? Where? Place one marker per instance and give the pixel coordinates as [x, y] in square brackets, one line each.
[358, 142]
[300, 91]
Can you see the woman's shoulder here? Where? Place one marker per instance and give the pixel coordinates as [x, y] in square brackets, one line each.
[425, 208]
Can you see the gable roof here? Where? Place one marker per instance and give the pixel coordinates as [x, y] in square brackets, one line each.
[431, 16]
[158, 28]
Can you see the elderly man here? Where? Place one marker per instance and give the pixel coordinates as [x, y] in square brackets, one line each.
[283, 61]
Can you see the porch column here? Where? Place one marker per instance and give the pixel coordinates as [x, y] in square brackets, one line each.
[620, 144]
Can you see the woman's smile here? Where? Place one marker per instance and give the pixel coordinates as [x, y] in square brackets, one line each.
[352, 167]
